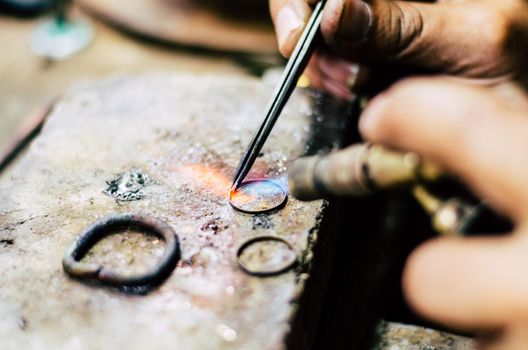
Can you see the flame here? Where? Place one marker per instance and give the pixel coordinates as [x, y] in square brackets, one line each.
[215, 182]
[218, 183]
[241, 197]
[209, 178]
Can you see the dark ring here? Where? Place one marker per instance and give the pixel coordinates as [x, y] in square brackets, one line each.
[266, 273]
[72, 265]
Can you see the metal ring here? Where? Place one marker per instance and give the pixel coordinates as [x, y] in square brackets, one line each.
[266, 273]
[72, 265]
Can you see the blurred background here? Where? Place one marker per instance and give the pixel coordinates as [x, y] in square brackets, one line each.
[50, 45]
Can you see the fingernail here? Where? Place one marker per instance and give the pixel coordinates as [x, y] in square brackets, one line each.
[339, 70]
[287, 22]
[337, 90]
[353, 70]
[372, 115]
[355, 19]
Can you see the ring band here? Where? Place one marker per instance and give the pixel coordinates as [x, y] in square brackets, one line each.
[266, 273]
[112, 224]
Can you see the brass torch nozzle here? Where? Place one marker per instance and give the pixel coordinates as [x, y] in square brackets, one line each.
[357, 171]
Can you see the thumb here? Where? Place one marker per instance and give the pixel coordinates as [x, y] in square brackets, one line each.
[432, 36]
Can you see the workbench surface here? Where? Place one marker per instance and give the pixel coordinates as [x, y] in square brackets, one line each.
[185, 134]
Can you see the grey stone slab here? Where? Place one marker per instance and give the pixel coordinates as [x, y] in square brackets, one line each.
[186, 134]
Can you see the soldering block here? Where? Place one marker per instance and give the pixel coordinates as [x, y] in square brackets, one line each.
[185, 135]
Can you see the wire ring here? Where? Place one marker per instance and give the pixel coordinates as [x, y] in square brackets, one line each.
[266, 273]
[112, 224]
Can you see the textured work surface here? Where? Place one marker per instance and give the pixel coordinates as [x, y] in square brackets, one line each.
[177, 140]
[395, 336]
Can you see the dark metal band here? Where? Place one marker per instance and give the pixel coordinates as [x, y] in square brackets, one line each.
[72, 265]
[266, 273]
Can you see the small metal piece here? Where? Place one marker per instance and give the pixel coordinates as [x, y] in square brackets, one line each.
[448, 217]
[257, 197]
[272, 272]
[296, 64]
[72, 265]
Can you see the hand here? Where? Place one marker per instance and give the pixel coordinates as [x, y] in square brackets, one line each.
[477, 39]
[481, 135]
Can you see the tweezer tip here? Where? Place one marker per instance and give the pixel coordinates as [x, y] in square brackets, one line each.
[235, 186]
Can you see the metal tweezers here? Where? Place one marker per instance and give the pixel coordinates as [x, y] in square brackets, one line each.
[296, 65]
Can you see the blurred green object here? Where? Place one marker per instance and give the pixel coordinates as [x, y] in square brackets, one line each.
[60, 38]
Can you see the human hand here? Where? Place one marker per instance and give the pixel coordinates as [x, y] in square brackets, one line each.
[481, 135]
[376, 40]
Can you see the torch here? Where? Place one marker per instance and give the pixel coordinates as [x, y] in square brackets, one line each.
[366, 169]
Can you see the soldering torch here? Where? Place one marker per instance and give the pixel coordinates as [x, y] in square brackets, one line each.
[366, 169]
[359, 170]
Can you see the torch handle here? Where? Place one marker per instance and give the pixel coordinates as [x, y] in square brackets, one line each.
[357, 171]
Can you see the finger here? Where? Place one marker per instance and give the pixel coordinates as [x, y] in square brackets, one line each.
[337, 90]
[469, 283]
[289, 18]
[322, 82]
[474, 132]
[314, 74]
[340, 75]
[340, 71]
[353, 77]
[454, 37]
[513, 336]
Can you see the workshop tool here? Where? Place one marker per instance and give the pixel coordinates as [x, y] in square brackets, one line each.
[359, 170]
[294, 68]
[365, 169]
[448, 217]
[110, 225]
[456, 215]
[60, 38]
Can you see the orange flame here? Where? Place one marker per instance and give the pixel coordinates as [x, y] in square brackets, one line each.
[215, 182]
[209, 178]
[241, 197]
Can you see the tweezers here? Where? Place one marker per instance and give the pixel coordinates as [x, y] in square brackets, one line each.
[294, 68]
